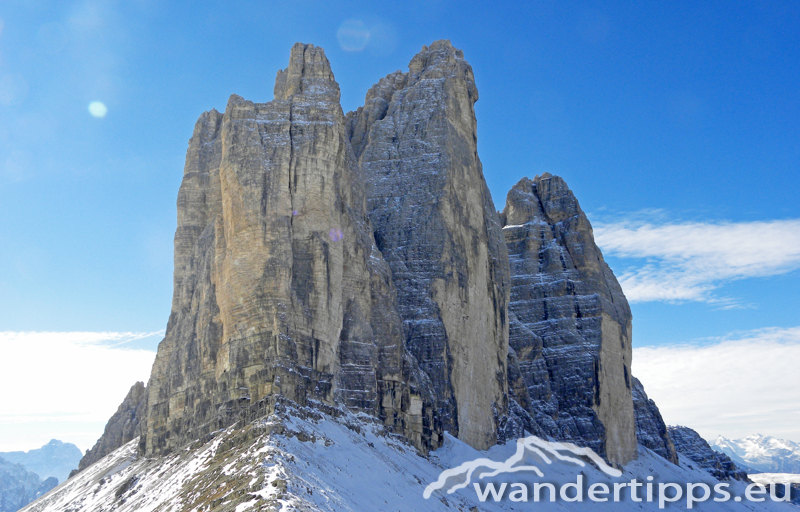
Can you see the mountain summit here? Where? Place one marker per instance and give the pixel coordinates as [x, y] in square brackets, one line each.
[358, 260]
[353, 268]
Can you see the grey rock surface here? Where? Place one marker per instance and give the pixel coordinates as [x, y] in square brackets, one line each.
[125, 425]
[358, 260]
[435, 223]
[18, 486]
[279, 286]
[55, 459]
[570, 322]
[689, 444]
[651, 431]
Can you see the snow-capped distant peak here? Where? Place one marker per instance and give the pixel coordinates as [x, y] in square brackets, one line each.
[761, 453]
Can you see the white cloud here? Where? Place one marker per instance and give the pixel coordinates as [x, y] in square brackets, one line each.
[744, 384]
[688, 260]
[65, 384]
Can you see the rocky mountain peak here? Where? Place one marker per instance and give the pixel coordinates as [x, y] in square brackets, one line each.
[439, 61]
[359, 262]
[435, 224]
[570, 322]
[544, 195]
[309, 74]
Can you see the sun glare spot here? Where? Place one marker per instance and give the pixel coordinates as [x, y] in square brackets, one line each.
[353, 35]
[98, 109]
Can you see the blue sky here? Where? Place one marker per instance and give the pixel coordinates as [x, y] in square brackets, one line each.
[677, 126]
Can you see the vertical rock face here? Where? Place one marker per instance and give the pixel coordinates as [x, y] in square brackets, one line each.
[124, 426]
[570, 322]
[279, 287]
[651, 431]
[359, 260]
[689, 444]
[435, 223]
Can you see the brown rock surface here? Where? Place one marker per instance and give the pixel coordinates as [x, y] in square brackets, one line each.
[279, 287]
[358, 261]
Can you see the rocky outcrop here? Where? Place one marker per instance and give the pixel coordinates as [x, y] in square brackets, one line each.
[570, 322]
[18, 486]
[125, 425]
[279, 286]
[689, 444]
[436, 226]
[651, 431]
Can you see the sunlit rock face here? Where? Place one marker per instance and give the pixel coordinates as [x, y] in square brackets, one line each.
[437, 228]
[358, 261]
[570, 322]
[279, 287]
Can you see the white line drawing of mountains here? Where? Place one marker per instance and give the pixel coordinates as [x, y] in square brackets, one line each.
[512, 465]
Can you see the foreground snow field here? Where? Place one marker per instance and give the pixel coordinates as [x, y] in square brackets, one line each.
[300, 459]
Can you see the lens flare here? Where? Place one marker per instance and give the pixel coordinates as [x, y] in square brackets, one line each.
[98, 109]
[353, 35]
[335, 234]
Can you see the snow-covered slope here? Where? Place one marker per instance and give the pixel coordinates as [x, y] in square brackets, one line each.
[764, 454]
[300, 459]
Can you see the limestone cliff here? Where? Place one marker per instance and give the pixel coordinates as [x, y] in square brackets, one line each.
[435, 223]
[358, 261]
[279, 286]
[570, 322]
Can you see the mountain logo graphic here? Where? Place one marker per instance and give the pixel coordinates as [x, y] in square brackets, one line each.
[461, 476]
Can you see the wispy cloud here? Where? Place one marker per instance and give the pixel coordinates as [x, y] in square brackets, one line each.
[735, 386]
[56, 382]
[677, 261]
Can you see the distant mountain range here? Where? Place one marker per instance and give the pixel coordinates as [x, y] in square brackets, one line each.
[18, 486]
[24, 476]
[54, 459]
[761, 454]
